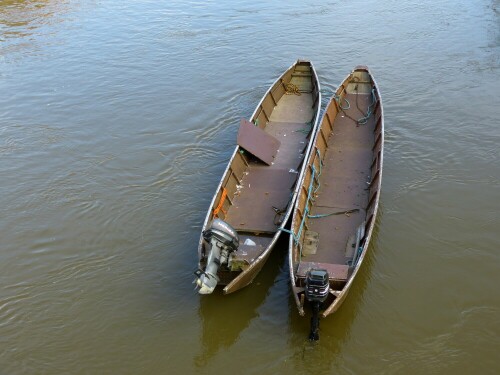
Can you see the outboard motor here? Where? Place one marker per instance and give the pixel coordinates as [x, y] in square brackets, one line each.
[223, 240]
[317, 289]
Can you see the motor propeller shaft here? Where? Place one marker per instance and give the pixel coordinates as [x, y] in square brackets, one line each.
[316, 290]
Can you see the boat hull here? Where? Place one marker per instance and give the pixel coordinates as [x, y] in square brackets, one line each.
[334, 214]
[258, 188]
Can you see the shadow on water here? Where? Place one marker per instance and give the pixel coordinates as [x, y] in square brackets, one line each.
[225, 317]
[321, 356]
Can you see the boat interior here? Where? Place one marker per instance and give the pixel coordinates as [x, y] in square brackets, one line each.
[256, 190]
[336, 201]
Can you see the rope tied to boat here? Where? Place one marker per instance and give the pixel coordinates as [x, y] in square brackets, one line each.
[312, 189]
[363, 120]
[279, 214]
[346, 213]
[291, 89]
[338, 99]
[221, 203]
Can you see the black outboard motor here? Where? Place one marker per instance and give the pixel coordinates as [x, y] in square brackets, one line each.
[317, 289]
[223, 240]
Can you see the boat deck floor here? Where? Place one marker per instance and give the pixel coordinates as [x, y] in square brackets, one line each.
[344, 183]
[268, 186]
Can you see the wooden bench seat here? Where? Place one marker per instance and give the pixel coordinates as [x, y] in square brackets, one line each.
[335, 271]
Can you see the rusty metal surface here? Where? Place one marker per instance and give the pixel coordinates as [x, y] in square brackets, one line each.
[292, 136]
[348, 179]
[344, 177]
[266, 186]
[257, 142]
[261, 190]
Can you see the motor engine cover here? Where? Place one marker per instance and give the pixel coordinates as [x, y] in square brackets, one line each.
[224, 233]
[317, 285]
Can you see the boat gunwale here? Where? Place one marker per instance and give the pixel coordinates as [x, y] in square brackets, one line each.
[340, 297]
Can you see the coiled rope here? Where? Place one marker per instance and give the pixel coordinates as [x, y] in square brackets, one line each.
[291, 89]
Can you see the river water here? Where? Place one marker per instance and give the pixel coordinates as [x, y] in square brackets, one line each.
[116, 122]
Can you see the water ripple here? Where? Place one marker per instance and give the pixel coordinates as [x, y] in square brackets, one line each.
[118, 119]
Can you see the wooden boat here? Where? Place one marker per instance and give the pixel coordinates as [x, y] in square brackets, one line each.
[255, 196]
[335, 211]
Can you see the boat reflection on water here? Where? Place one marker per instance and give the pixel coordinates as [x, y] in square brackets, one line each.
[225, 317]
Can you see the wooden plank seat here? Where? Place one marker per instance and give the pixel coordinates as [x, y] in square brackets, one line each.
[335, 271]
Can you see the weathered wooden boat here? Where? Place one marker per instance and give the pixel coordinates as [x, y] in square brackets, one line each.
[335, 211]
[255, 196]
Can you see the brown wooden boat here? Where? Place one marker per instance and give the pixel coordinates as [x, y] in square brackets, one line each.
[256, 194]
[335, 211]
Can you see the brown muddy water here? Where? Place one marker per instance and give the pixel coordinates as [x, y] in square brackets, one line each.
[117, 119]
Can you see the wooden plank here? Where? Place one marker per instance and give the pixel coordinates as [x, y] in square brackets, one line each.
[335, 271]
[257, 142]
